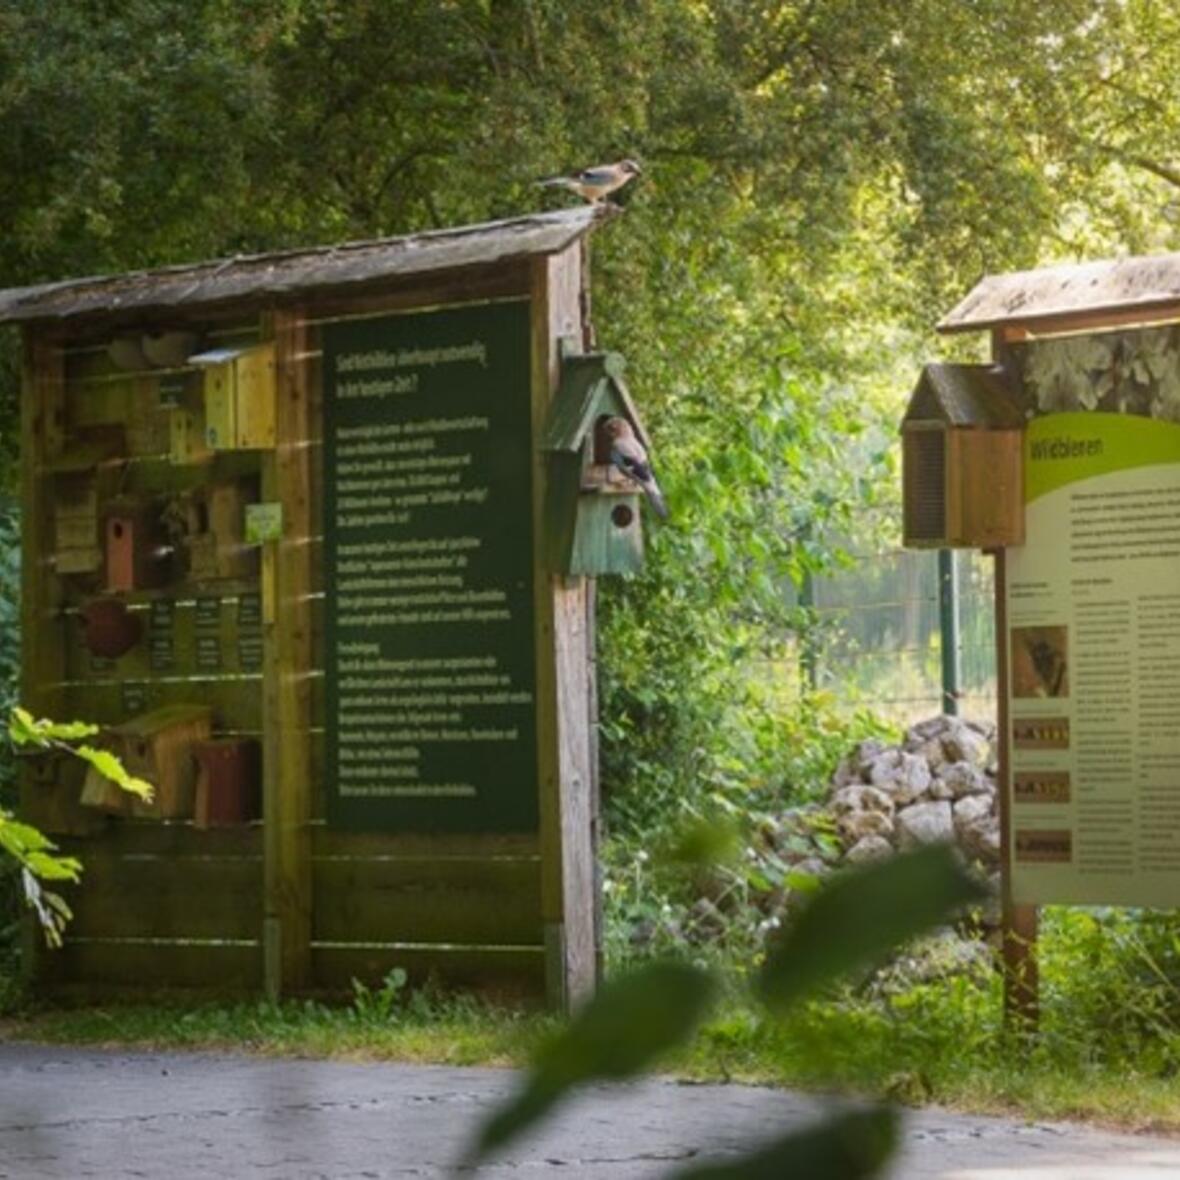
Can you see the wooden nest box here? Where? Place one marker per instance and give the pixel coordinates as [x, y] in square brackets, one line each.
[962, 460]
[592, 521]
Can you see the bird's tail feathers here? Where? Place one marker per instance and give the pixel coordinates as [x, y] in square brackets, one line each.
[557, 182]
[655, 497]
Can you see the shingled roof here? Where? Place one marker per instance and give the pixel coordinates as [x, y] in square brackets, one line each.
[1146, 283]
[352, 265]
[964, 395]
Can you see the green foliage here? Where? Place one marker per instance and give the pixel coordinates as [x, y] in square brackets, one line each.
[640, 1016]
[860, 917]
[846, 1147]
[628, 1024]
[381, 1003]
[34, 855]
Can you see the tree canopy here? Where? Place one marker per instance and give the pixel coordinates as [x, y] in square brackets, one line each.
[821, 177]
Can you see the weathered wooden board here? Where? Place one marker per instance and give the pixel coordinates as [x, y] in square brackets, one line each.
[291, 698]
[120, 966]
[165, 897]
[175, 839]
[1125, 287]
[497, 972]
[237, 704]
[422, 901]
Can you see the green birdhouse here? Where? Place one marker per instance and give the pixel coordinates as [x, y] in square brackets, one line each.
[592, 521]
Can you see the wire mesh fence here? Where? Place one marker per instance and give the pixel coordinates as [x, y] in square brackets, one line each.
[879, 642]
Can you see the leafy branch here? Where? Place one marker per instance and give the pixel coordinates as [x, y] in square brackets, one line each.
[638, 1018]
[35, 853]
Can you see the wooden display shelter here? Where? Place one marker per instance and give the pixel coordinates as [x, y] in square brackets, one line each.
[210, 519]
[1117, 304]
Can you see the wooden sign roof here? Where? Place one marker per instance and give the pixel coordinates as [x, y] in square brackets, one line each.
[1087, 294]
[964, 395]
[352, 265]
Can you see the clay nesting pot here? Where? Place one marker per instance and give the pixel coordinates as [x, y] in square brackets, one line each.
[111, 630]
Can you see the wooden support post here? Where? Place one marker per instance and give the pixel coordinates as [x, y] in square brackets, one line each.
[43, 655]
[1018, 923]
[286, 706]
[564, 702]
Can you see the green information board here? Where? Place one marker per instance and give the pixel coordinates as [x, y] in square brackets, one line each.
[429, 648]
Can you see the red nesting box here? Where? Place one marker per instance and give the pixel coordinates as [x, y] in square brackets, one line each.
[135, 557]
[229, 782]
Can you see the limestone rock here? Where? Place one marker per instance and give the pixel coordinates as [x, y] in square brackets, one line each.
[869, 850]
[934, 754]
[970, 809]
[923, 731]
[855, 825]
[965, 778]
[866, 752]
[847, 773]
[883, 767]
[964, 744]
[908, 780]
[861, 798]
[811, 867]
[925, 823]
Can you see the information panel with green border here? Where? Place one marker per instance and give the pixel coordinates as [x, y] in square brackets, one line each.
[430, 671]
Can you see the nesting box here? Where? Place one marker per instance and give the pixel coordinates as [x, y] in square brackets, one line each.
[217, 546]
[962, 460]
[76, 544]
[229, 787]
[136, 556]
[239, 394]
[51, 794]
[157, 746]
[592, 510]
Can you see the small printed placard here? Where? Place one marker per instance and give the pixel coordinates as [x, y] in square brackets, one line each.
[172, 388]
[208, 653]
[208, 613]
[135, 697]
[264, 522]
[250, 610]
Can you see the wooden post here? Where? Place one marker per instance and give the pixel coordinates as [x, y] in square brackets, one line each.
[286, 706]
[1018, 923]
[43, 656]
[564, 702]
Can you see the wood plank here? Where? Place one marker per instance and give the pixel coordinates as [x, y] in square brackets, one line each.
[496, 973]
[198, 644]
[563, 698]
[1018, 923]
[452, 288]
[43, 645]
[463, 902]
[237, 703]
[423, 846]
[166, 897]
[210, 968]
[177, 839]
[288, 700]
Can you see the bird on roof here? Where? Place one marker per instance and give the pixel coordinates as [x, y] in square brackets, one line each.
[597, 183]
[627, 454]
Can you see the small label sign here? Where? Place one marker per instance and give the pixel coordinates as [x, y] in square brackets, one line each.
[264, 522]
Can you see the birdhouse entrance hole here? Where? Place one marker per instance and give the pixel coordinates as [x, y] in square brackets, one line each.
[622, 516]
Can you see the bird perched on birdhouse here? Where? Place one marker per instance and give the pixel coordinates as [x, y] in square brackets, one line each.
[628, 455]
[597, 183]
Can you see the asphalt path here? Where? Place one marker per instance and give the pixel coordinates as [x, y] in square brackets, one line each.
[67, 1112]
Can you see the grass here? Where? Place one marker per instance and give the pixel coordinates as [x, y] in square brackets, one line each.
[938, 1043]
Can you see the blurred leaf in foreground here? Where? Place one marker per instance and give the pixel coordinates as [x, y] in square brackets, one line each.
[620, 1032]
[846, 1147]
[862, 915]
